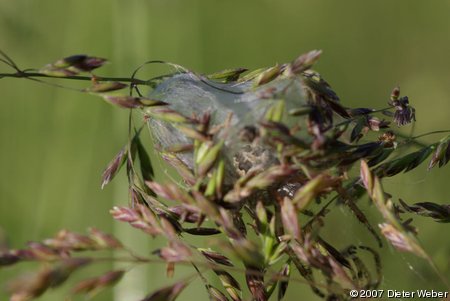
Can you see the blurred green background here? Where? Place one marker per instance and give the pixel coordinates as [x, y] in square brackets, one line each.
[55, 143]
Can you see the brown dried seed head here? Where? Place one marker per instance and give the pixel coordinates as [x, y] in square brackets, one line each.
[104, 240]
[289, 218]
[216, 257]
[114, 166]
[215, 294]
[169, 293]
[105, 87]
[124, 214]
